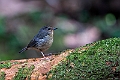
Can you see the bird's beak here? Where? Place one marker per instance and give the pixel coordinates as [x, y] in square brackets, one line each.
[55, 28]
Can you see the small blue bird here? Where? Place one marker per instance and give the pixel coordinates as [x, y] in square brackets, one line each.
[42, 41]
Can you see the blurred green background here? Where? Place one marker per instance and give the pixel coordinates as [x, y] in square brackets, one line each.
[79, 21]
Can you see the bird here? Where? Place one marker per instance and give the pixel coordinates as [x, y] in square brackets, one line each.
[41, 41]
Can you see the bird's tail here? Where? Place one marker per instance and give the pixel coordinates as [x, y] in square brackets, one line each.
[24, 49]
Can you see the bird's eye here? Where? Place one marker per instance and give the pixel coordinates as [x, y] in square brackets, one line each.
[49, 28]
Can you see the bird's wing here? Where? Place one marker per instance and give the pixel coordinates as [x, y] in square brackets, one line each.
[32, 43]
[38, 38]
[41, 34]
[36, 42]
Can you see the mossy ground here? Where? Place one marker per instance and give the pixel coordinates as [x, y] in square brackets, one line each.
[24, 73]
[5, 64]
[2, 76]
[99, 60]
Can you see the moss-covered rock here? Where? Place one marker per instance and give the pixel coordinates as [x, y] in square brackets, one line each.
[98, 60]
[2, 76]
[5, 64]
[24, 73]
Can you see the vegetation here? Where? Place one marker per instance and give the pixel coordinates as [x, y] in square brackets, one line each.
[5, 64]
[99, 60]
[24, 73]
[2, 76]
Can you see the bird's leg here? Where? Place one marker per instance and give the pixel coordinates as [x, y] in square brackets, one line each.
[43, 54]
[45, 58]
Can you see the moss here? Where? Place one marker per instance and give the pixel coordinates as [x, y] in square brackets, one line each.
[5, 64]
[2, 75]
[24, 73]
[15, 62]
[98, 60]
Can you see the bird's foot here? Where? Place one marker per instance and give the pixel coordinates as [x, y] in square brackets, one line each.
[46, 59]
[49, 54]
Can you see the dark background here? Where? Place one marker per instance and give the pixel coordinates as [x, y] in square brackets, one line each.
[79, 21]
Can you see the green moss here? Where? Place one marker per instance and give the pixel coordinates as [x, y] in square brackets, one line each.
[99, 60]
[2, 75]
[24, 73]
[5, 64]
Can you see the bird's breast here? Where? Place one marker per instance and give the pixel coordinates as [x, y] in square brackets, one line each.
[45, 43]
[48, 39]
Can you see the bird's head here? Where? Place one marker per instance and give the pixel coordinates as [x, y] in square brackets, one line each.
[48, 29]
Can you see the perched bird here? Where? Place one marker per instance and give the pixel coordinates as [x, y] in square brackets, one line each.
[42, 41]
